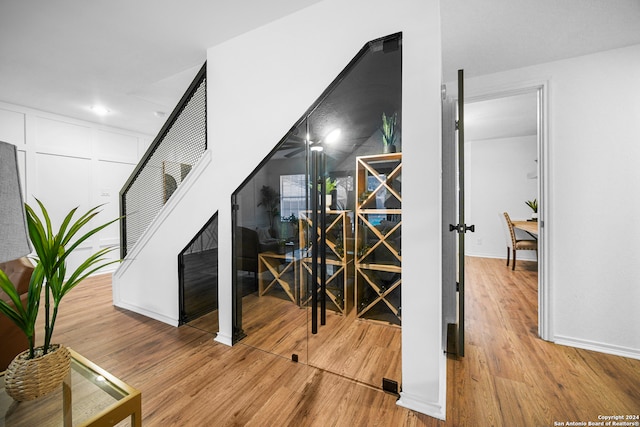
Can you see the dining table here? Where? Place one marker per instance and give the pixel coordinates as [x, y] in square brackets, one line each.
[530, 227]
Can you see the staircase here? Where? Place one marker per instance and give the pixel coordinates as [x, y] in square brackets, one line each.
[172, 164]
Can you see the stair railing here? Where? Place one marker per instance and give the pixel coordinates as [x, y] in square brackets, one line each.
[178, 146]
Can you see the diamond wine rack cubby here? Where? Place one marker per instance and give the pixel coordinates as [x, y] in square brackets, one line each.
[339, 259]
[378, 257]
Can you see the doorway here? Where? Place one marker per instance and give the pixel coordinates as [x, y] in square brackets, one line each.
[501, 158]
[504, 163]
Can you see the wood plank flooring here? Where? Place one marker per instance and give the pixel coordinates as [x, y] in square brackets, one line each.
[355, 348]
[508, 378]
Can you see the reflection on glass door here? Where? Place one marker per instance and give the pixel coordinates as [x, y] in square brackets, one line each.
[269, 313]
[317, 229]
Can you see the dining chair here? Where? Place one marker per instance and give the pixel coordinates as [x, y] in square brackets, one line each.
[514, 244]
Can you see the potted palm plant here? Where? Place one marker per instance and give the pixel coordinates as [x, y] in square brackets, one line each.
[39, 370]
[270, 199]
[533, 204]
[330, 193]
[389, 132]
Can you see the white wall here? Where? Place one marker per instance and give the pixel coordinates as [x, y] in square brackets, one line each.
[67, 163]
[592, 201]
[496, 181]
[259, 85]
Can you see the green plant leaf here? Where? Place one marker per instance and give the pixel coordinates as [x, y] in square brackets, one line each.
[388, 128]
[83, 270]
[37, 235]
[83, 238]
[52, 252]
[33, 298]
[81, 222]
[13, 315]
[533, 204]
[24, 318]
[9, 288]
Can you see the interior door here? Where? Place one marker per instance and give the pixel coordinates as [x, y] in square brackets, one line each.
[449, 216]
[454, 211]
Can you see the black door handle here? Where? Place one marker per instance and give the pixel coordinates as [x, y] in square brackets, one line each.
[462, 228]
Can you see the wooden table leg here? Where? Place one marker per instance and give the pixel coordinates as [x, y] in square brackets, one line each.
[136, 416]
[67, 404]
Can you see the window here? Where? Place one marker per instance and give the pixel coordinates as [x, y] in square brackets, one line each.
[292, 195]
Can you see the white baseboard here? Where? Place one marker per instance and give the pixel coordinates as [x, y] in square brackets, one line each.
[632, 353]
[523, 257]
[110, 269]
[147, 313]
[419, 405]
[223, 339]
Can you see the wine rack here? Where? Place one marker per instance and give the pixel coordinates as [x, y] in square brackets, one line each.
[339, 259]
[378, 258]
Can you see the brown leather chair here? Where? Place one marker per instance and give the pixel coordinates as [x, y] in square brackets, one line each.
[514, 244]
[12, 338]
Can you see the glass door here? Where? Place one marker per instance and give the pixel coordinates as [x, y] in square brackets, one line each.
[318, 229]
[353, 273]
[270, 310]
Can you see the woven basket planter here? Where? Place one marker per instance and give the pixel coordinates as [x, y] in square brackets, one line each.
[28, 379]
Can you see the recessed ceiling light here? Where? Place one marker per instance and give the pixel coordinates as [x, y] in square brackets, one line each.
[100, 110]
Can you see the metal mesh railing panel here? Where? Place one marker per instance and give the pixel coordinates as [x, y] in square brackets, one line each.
[198, 276]
[183, 143]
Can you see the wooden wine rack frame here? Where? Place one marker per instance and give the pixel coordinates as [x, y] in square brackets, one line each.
[343, 262]
[365, 272]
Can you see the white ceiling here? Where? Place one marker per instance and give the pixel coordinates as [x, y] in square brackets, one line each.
[490, 36]
[134, 56]
[138, 57]
[504, 117]
[487, 36]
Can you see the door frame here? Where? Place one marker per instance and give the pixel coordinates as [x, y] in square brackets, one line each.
[545, 290]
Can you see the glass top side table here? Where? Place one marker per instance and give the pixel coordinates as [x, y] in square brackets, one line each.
[89, 396]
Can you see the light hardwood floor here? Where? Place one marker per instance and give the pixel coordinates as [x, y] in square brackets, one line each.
[509, 377]
[363, 350]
